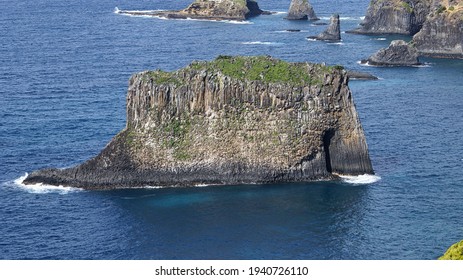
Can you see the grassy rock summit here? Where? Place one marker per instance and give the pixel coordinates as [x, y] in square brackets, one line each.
[210, 9]
[232, 120]
[437, 25]
[455, 252]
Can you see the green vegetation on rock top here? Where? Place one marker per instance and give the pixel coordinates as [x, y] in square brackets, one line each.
[266, 69]
[455, 252]
[162, 77]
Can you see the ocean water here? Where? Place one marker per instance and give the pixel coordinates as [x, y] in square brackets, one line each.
[64, 67]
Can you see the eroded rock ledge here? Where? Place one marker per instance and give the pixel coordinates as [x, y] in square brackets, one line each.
[234, 120]
[209, 9]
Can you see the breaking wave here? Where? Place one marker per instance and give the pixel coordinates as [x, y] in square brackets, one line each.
[261, 43]
[42, 188]
[360, 179]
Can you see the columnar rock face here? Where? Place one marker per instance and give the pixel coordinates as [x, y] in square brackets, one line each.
[210, 9]
[233, 120]
[332, 33]
[394, 17]
[399, 53]
[301, 10]
[442, 33]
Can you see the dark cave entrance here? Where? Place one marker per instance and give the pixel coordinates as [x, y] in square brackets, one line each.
[326, 147]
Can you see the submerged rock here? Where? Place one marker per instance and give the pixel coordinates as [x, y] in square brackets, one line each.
[301, 10]
[442, 33]
[234, 120]
[394, 17]
[455, 252]
[357, 75]
[210, 9]
[399, 53]
[332, 33]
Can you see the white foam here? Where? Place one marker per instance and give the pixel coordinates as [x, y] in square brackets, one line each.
[43, 188]
[335, 43]
[278, 13]
[261, 43]
[360, 179]
[311, 39]
[424, 65]
[150, 14]
[126, 12]
[379, 39]
[365, 64]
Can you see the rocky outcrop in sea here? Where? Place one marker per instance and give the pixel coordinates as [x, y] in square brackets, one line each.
[394, 17]
[209, 9]
[332, 33]
[442, 33]
[233, 120]
[399, 53]
[301, 10]
[437, 25]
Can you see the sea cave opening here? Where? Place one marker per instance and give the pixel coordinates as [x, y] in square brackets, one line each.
[326, 147]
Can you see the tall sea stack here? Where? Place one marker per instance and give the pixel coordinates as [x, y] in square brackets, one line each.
[234, 120]
[332, 32]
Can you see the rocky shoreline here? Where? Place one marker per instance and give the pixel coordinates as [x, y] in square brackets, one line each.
[234, 120]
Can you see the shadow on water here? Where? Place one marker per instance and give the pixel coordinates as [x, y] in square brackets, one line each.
[300, 220]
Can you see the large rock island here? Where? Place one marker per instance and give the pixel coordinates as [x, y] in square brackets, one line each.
[208, 9]
[233, 120]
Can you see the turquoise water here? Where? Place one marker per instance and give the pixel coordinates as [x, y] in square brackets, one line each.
[64, 68]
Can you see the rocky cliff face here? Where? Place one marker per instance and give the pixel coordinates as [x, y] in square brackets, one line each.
[301, 10]
[442, 33]
[210, 9]
[229, 121]
[394, 17]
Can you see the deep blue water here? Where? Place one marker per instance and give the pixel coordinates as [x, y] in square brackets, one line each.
[64, 67]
